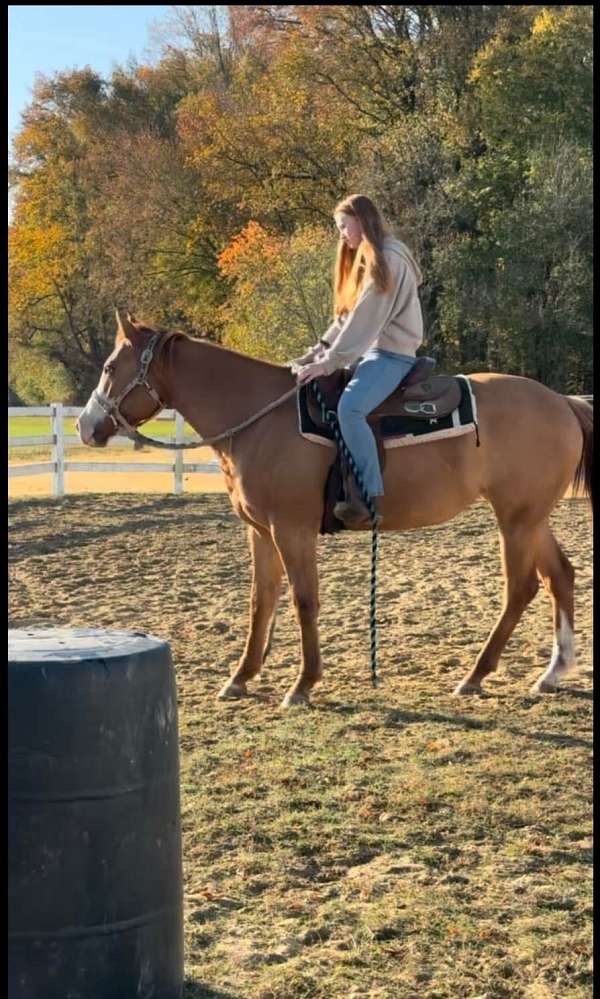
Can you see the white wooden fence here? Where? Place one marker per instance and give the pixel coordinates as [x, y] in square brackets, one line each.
[59, 441]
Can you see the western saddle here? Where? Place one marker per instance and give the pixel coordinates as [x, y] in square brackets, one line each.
[420, 395]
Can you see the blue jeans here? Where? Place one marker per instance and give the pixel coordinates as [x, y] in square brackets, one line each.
[376, 376]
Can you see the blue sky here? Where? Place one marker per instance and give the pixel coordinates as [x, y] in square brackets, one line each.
[44, 38]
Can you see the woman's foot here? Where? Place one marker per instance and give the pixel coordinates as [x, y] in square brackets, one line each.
[354, 513]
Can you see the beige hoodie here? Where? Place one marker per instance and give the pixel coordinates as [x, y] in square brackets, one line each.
[390, 320]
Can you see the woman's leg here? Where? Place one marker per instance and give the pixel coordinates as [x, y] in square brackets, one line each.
[375, 378]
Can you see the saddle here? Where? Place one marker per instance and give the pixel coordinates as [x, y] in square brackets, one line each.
[419, 395]
[413, 409]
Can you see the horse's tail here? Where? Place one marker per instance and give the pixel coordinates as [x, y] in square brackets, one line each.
[582, 478]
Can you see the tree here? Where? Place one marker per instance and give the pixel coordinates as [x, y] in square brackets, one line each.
[536, 81]
[104, 211]
[523, 304]
[198, 190]
[280, 300]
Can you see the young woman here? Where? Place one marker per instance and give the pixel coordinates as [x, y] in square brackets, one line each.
[378, 322]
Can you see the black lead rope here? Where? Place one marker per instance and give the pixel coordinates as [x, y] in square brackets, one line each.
[330, 417]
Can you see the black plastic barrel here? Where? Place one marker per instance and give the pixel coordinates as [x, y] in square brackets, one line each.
[94, 831]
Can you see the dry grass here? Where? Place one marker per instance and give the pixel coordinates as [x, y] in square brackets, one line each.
[397, 843]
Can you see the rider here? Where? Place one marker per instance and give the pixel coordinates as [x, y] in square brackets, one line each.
[378, 321]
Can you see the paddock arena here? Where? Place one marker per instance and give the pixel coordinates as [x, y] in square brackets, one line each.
[395, 844]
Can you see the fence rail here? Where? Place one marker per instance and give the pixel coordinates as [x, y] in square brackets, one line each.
[59, 441]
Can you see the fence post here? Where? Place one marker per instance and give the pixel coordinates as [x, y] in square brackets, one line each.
[179, 438]
[58, 449]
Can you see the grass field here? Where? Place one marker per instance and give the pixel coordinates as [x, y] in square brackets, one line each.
[391, 844]
[35, 426]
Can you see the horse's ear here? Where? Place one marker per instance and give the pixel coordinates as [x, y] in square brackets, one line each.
[125, 328]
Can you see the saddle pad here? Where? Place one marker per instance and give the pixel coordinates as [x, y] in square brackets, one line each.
[400, 431]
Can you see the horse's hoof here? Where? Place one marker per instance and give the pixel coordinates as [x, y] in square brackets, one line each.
[464, 688]
[544, 687]
[295, 699]
[232, 691]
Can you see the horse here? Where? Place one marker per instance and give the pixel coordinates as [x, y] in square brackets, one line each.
[534, 444]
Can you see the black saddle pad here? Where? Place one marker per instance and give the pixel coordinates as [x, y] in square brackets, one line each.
[398, 426]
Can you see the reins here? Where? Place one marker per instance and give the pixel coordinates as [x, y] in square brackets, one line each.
[142, 439]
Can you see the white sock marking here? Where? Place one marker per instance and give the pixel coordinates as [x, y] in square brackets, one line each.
[563, 652]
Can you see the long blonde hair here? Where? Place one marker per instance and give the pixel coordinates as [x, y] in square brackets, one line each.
[353, 267]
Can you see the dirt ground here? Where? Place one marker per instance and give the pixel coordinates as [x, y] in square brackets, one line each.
[390, 843]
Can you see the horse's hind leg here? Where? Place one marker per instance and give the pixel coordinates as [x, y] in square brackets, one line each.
[557, 575]
[521, 585]
[267, 573]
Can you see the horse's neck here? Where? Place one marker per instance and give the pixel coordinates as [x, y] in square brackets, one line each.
[215, 389]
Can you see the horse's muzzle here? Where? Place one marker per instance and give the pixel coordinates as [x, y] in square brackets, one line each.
[92, 436]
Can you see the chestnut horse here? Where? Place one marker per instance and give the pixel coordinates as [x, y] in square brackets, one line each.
[534, 444]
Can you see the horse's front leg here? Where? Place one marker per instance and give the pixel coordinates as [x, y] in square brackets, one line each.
[298, 550]
[267, 573]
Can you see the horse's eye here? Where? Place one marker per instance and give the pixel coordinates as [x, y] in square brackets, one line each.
[109, 369]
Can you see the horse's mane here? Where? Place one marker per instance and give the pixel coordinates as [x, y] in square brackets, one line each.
[209, 344]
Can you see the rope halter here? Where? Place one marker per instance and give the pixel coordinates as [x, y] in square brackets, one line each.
[112, 406]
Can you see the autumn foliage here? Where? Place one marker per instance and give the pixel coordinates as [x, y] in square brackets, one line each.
[198, 190]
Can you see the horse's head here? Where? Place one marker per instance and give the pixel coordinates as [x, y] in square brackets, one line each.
[124, 397]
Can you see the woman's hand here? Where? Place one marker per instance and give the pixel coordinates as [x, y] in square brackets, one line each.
[309, 357]
[306, 358]
[310, 371]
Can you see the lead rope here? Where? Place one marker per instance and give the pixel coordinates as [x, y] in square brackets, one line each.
[330, 417]
[135, 435]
